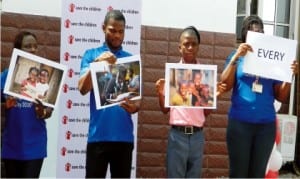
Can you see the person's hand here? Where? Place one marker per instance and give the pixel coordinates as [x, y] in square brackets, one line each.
[160, 86]
[10, 102]
[129, 106]
[221, 88]
[243, 49]
[42, 112]
[106, 56]
[295, 67]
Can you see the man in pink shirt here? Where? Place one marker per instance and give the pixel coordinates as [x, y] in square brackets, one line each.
[186, 140]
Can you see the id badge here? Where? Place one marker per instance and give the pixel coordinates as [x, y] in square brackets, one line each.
[256, 87]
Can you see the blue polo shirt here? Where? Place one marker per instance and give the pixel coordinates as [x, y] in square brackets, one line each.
[111, 124]
[24, 136]
[247, 105]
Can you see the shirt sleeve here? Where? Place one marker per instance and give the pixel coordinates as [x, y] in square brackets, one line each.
[3, 80]
[85, 65]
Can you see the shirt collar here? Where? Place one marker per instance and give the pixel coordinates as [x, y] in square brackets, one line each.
[106, 48]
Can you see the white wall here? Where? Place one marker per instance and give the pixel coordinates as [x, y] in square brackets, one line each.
[206, 15]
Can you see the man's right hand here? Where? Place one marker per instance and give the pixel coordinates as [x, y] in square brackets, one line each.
[106, 56]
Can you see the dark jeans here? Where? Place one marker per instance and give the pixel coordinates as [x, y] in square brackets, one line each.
[22, 168]
[117, 154]
[249, 147]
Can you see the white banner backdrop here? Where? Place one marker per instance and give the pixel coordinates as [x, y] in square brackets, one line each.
[81, 29]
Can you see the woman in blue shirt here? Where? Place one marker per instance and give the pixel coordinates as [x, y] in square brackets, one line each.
[24, 139]
[251, 126]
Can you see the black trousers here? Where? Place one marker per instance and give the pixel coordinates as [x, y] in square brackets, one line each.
[117, 154]
[22, 168]
[249, 148]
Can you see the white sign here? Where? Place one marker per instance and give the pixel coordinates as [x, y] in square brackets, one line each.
[271, 57]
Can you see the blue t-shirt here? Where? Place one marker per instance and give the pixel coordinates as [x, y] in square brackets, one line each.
[247, 105]
[24, 136]
[111, 124]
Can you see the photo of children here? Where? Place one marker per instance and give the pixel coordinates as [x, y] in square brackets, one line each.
[116, 82]
[32, 77]
[191, 87]
[36, 84]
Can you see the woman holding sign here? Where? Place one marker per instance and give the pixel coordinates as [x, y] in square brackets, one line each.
[251, 126]
[24, 140]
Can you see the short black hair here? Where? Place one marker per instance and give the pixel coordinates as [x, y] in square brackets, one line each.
[31, 69]
[248, 22]
[193, 30]
[114, 14]
[19, 38]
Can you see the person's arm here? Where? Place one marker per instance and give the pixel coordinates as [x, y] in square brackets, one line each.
[228, 75]
[160, 85]
[85, 82]
[282, 90]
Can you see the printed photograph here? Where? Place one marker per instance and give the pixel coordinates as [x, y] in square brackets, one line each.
[113, 83]
[190, 85]
[32, 77]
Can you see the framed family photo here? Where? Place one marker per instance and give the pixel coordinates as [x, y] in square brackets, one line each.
[190, 85]
[113, 83]
[32, 77]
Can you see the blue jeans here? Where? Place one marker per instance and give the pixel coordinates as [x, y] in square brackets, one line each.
[184, 154]
[249, 148]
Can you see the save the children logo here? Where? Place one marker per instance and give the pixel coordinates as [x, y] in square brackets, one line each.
[69, 104]
[63, 151]
[71, 39]
[65, 88]
[110, 8]
[71, 7]
[70, 72]
[64, 119]
[68, 167]
[68, 135]
[66, 56]
[67, 23]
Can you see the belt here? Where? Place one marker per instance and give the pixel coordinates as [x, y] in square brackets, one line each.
[187, 129]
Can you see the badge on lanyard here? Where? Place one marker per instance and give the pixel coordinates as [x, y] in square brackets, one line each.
[256, 87]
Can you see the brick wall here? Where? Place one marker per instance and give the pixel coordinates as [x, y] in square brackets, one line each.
[158, 46]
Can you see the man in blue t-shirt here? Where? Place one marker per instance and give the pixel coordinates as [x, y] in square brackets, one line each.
[110, 138]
